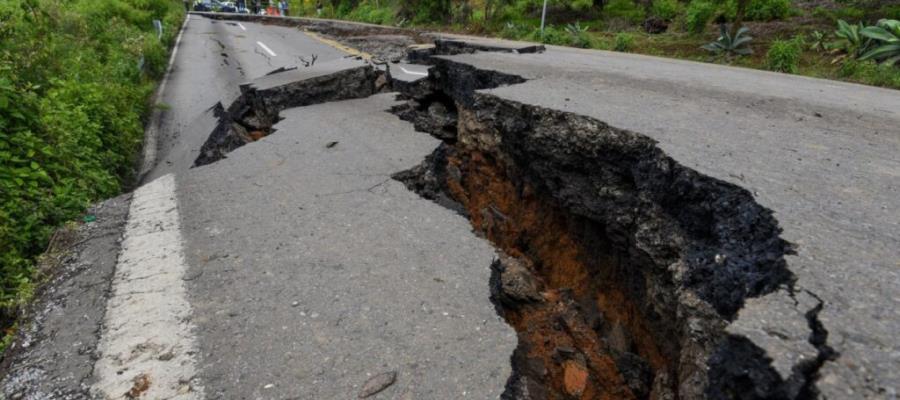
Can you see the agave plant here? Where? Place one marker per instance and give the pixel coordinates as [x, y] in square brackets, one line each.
[850, 41]
[728, 44]
[886, 34]
[817, 41]
[576, 29]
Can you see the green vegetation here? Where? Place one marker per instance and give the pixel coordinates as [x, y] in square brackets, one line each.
[624, 42]
[666, 10]
[737, 44]
[784, 55]
[75, 77]
[886, 39]
[835, 38]
[698, 15]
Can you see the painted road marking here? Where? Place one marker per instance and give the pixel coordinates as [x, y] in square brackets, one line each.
[147, 346]
[266, 48]
[414, 72]
[242, 26]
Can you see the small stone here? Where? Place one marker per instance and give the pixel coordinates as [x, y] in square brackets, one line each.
[575, 378]
[269, 386]
[378, 383]
[295, 304]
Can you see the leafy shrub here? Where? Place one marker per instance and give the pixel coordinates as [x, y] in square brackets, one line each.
[512, 30]
[817, 41]
[850, 42]
[698, 15]
[551, 35]
[664, 9]
[871, 73]
[624, 42]
[846, 13]
[75, 76]
[728, 44]
[784, 55]
[367, 12]
[578, 36]
[886, 42]
[766, 10]
[626, 10]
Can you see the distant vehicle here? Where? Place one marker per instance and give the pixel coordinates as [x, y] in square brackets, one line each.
[227, 6]
[215, 6]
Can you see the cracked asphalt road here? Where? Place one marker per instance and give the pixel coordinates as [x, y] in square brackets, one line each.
[310, 271]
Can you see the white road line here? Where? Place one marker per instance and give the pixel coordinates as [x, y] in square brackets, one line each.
[414, 72]
[242, 26]
[148, 158]
[147, 336]
[266, 48]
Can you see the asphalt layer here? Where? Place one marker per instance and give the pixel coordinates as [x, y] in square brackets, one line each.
[214, 59]
[311, 271]
[821, 154]
[315, 270]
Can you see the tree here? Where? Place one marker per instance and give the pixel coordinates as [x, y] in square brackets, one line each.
[739, 16]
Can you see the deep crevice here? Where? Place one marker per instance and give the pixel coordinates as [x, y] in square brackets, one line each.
[619, 268]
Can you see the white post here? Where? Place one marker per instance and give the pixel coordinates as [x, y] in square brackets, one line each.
[543, 17]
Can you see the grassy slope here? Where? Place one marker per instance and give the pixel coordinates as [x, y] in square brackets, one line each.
[75, 79]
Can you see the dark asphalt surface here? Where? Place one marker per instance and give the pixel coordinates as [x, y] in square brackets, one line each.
[214, 58]
[821, 154]
[310, 270]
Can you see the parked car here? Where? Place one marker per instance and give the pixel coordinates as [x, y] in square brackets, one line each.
[227, 6]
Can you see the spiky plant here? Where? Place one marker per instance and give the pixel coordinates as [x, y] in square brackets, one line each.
[737, 44]
[886, 35]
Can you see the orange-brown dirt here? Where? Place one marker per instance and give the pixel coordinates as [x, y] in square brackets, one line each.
[526, 226]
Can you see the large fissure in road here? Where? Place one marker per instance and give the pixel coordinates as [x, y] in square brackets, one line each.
[619, 268]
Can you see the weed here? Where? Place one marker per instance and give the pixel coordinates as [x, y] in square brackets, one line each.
[666, 10]
[784, 55]
[578, 36]
[624, 42]
[626, 10]
[698, 15]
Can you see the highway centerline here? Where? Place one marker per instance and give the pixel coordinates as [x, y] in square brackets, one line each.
[147, 345]
[266, 48]
[241, 26]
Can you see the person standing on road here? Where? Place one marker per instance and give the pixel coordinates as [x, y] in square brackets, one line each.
[187, 5]
[285, 7]
[318, 8]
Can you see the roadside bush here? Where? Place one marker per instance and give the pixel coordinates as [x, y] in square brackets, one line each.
[75, 76]
[784, 55]
[664, 9]
[761, 10]
[870, 73]
[624, 42]
[698, 15]
[626, 10]
[579, 36]
[367, 12]
[551, 35]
